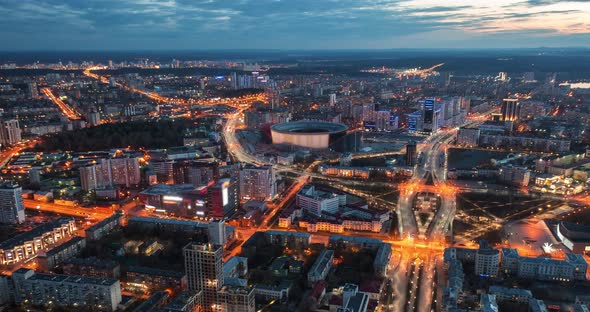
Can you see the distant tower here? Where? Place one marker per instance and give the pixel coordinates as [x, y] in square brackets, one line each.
[411, 150]
[510, 109]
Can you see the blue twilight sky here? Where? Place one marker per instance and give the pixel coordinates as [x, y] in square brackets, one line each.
[291, 24]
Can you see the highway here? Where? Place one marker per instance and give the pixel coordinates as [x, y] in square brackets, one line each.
[67, 110]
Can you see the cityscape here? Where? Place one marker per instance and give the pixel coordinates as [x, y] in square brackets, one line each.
[296, 178]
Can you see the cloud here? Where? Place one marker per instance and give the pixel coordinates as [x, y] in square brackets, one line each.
[130, 24]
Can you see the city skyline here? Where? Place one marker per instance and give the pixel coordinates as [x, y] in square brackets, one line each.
[285, 25]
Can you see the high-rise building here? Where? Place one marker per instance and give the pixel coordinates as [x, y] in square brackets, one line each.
[257, 183]
[32, 89]
[12, 209]
[125, 171]
[223, 198]
[110, 172]
[217, 232]
[411, 154]
[9, 132]
[510, 110]
[204, 270]
[332, 101]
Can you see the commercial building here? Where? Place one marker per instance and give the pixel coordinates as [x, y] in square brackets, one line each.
[321, 267]
[258, 183]
[315, 201]
[177, 200]
[55, 256]
[574, 236]
[105, 226]
[12, 209]
[102, 294]
[223, 198]
[10, 132]
[28, 244]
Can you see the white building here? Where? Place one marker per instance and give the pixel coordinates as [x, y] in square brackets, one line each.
[12, 209]
[487, 261]
[574, 267]
[321, 267]
[315, 201]
[217, 232]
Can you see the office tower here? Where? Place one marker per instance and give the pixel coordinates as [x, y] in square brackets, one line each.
[411, 151]
[12, 209]
[217, 232]
[510, 109]
[9, 132]
[257, 183]
[429, 110]
[332, 101]
[223, 198]
[204, 271]
[110, 63]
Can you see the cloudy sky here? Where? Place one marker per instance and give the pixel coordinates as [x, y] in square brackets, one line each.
[291, 24]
